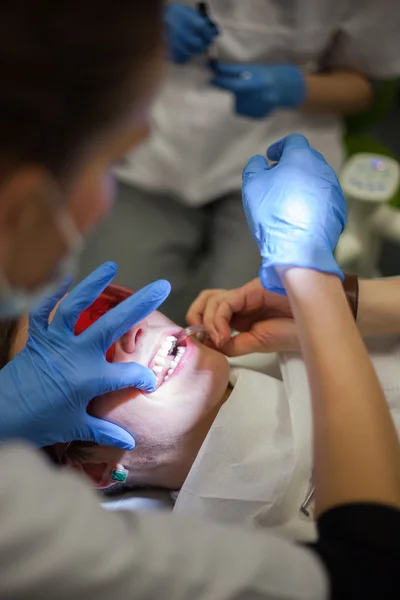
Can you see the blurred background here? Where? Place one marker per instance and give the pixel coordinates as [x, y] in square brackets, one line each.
[238, 77]
[388, 132]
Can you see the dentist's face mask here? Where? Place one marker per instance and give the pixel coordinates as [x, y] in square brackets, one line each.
[16, 301]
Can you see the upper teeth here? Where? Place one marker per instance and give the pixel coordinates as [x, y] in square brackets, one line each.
[161, 357]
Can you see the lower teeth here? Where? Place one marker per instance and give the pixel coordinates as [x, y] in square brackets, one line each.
[158, 368]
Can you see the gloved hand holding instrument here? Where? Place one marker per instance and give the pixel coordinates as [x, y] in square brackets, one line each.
[190, 32]
[46, 388]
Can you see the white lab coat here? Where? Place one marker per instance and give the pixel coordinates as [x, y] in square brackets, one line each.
[198, 145]
[56, 542]
[255, 465]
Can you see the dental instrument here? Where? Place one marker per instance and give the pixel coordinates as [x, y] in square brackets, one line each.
[307, 501]
[212, 54]
[189, 331]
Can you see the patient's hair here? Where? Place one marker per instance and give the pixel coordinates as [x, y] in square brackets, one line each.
[8, 331]
[68, 68]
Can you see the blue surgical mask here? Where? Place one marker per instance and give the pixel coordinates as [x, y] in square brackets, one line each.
[17, 301]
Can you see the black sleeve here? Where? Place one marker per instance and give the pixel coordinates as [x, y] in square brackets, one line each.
[360, 547]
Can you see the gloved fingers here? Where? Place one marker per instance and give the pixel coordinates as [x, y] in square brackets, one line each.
[179, 55]
[283, 149]
[114, 324]
[246, 107]
[187, 19]
[106, 433]
[40, 313]
[119, 376]
[256, 165]
[229, 70]
[83, 295]
[231, 84]
[190, 44]
[202, 26]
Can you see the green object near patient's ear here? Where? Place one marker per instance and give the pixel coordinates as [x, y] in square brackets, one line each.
[119, 474]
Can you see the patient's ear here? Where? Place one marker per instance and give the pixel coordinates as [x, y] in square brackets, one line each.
[98, 473]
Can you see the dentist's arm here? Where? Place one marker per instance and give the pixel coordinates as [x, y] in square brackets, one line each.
[258, 89]
[296, 212]
[342, 91]
[356, 450]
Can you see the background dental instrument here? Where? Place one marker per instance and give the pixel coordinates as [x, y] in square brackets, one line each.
[212, 53]
[369, 181]
[189, 331]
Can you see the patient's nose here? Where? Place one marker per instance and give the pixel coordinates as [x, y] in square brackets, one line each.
[129, 342]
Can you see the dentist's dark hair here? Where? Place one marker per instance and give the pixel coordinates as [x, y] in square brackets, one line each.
[68, 67]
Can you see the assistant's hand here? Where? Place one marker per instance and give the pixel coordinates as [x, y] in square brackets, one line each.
[189, 33]
[263, 319]
[295, 209]
[260, 89]
[45, 389]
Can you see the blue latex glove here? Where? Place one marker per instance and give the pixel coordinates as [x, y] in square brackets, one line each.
[260, 89]
[189, 33]
[295, 209]
[45, 390]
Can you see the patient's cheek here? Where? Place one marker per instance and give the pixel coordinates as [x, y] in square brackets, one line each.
[113, 405]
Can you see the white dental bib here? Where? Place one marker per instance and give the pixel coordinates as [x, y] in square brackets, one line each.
[255, 465]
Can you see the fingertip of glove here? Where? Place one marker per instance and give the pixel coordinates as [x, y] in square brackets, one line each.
[256, 163]
[162, 287]
[127, 446]
[111, 265]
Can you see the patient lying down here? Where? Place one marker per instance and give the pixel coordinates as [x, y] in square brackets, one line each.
[227, 439]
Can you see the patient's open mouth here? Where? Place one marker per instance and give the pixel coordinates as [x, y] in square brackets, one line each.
[167, 358]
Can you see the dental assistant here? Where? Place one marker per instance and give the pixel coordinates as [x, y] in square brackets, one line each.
[280, 67]
[72, 105]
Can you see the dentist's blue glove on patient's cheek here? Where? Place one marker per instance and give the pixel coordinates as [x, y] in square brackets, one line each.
[189, 34]
[45, 389]
[295, 209]
[261, 89]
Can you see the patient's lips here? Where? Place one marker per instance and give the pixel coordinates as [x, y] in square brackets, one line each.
[167, 358]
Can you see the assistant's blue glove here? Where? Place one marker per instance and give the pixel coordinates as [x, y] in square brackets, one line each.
[260, 89]
[45, 389]
[295, 209]
[188, 32]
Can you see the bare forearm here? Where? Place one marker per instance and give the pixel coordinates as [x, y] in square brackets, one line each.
[379, 307]
[342, 92]
[356, 451]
